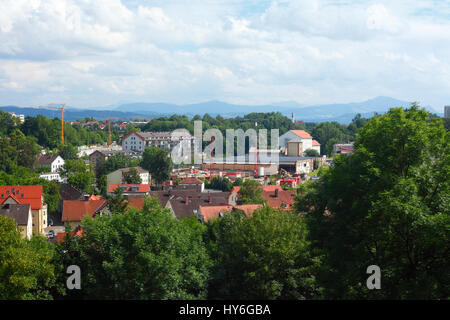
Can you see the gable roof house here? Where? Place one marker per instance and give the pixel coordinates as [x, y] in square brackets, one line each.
[21, 213]
[31, 195]
[207, 213]
[296, 142]
[279, 198]
[117, 177]
[75, 210]
[54, 163]
[130, 189]
[191, 183]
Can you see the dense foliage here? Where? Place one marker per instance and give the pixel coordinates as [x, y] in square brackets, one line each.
[156, 160]
[26, 269]
[144, 254]
[265, 256]
[251, 192]
[388, 205]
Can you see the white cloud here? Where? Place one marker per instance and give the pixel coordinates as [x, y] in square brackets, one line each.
[101, 52]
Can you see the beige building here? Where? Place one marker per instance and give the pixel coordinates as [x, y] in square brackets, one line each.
[21, 213]
[32, 195]
[117, 177]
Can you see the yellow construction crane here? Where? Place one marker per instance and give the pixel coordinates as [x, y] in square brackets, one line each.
[61, 107]
[109, 128]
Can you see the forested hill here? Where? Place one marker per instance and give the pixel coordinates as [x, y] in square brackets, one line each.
[339, 112]
[77, 114]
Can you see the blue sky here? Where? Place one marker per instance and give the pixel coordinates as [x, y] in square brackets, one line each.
[88, 53]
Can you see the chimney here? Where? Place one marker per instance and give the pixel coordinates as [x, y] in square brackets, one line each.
[210, 198]
[86, 197]
[276, 193]
[186, 200]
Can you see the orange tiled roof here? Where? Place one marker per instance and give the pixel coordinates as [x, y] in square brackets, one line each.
[31, 195]
[248, 208]
[127, 187]
[76, 210]
[138, 203]
[284, 196]
[210, 212]
[272, 188]
[77, 232]
[315, 143]
[302, 134]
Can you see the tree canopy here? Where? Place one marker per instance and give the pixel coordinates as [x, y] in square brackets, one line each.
[386, 205]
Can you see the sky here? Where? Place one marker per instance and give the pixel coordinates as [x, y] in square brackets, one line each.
[91, 53]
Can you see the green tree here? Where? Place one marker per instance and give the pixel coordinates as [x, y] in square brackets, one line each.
[68, 152]
[118, 202]
[237, 182]
[26, 271]
[26, 147]
[220, 183]
[311, 153]
[265, 256]
[145, 254]
[7, 123]
[385, 205]
[132, 176]
[78, 175]
[251, 192]
[158, 163]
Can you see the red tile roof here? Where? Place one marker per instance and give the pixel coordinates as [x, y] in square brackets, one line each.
[138, 203]
[191, 181]
[272, 188]
[248, 208]
[302, 134]
[77, 232]
[211, 212]
[142, 188]
[31, 195]
[76, 210]
[284, 196]
[315, 143]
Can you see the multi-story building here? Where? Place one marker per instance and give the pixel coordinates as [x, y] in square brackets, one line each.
[117, 177]
[22, 215]
[296, 142]
[54, 163]
[137, 141]
[97, 156]
[447, 112]
[20, 116]
[32, 195]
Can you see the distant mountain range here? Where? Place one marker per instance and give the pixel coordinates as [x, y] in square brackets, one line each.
[342, 112]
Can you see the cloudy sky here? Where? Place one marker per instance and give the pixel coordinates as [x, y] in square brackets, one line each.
[89, 53]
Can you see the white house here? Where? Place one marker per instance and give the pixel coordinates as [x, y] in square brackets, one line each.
[117, 177]
[296, 142]
[54, 163]
[137, 141]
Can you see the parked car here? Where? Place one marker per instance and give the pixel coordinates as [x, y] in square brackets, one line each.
[51, 234]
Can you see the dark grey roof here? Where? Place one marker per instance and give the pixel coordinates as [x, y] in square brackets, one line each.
[18, 212]
[139, 169]
[45, 159]
[196, 199]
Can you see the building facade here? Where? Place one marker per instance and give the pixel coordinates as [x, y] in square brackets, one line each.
[117, 177]
[296, 142]
[32, 195]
